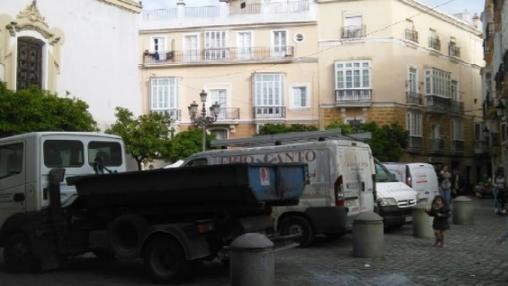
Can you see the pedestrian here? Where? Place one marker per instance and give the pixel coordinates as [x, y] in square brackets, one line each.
[440, 211]
[446, 185]
[499, 192]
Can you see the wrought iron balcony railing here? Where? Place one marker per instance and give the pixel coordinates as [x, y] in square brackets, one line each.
[228, 114]
[175, 114]
[411, 35]
[219, 55]
[415, 143]
[413, 97]
[437, 104]
[269, 112]
[435, 43]
[457, 146]
[353, 32]
[436, 145]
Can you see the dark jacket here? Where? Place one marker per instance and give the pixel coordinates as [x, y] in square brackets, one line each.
[440, 217]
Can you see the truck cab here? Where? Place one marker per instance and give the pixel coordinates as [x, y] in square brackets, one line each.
[25, 162]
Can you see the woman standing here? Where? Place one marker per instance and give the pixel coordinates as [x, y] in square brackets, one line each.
[446, 185]
[440, 211]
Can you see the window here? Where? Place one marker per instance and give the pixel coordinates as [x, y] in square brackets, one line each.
[221, 97]
[164, 95]
[438, 83]
[457, 129]
[300, 96]
[63, 153]
[298, 38]
[268, 89]
[414, 123]
[11, 160]
[158, 47]
[434, 41]
[353, 80]
[215, 45]
[413, 81]
[268, 95]
[109, 152]
[436, 131]
[382, 173]
[29, 63]
[220, 134]
[197, 162]
[454, 85]
[244, 43]
[353, 27]
[279, 43]
[191, 47]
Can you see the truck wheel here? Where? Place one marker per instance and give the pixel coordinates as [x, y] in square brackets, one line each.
[298, 225]
[165, 259]
[127, 233]
[18, 254]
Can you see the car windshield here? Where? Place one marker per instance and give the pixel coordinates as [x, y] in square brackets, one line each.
[383, 175]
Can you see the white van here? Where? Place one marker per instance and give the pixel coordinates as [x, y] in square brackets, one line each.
[341, 183]
[420, 176]
[395, 200]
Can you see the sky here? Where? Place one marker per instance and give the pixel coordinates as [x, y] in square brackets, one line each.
[456, 6]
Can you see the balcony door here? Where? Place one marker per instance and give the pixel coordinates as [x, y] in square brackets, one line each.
[244, 43]
[29, 68]
[159, 48]
[279, 43]
[221, 97]
[215, 45]
[191, 47]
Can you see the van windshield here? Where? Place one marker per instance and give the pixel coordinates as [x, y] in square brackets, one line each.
[383, 175]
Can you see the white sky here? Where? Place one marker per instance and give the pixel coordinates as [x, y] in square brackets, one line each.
[456, 6]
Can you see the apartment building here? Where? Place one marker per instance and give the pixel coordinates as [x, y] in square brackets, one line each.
[321, 61]
[495, 82]
[254, 58]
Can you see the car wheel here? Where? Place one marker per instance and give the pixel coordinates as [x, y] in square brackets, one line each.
[165, 259]
[298, 225]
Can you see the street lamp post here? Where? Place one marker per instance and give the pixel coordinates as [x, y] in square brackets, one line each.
[203, 120]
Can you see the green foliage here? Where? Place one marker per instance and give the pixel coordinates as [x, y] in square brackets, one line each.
[33, 109]
[388, 142]
[186, 143]
[270, 128]
[146, 137]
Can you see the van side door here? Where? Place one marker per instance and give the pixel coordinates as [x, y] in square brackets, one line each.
[12, 179]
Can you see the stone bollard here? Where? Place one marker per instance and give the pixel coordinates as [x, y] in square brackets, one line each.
[368, 235]
[422, 222]
[462, 210]
[252, 262]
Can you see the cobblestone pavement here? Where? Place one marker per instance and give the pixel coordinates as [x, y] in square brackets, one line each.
[470, 257]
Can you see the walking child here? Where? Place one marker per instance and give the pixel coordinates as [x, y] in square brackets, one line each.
[440, 211]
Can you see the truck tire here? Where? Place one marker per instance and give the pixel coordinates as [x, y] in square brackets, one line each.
[297, 225]
[18, 254]
[127, 233]
[165, 259]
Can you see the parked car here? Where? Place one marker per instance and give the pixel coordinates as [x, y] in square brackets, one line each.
[395, 199]
[420, 176]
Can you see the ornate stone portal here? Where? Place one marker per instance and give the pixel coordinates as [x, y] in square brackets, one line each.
[30, 52]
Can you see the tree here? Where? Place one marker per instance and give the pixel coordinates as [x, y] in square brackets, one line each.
[185, 144]
[388, 142]
[271, 128]
[33, 109]
[146, 137]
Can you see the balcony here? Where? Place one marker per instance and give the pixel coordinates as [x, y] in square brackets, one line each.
[269, 112]
[228, 114]
[436, 146]
[202, 12]
[353, 97]
[413, 97]
[437, 104]
[435, 43]
[411, 35]
[481, 147]
[219, 56]
[457, 146]
[457, 106]
[175, 114]
[453, 50]
[248, 9]
[159, 14]
[415, 144]
[353, 32]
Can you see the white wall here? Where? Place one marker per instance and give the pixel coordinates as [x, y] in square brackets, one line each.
[99, 55]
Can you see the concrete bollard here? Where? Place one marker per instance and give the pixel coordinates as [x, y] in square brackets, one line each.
[422, 222]
[252, 262]
[368, 235]
[462, 210]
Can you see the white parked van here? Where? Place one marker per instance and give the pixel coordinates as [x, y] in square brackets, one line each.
[420, 176]
[395, 200]
[341, 183]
